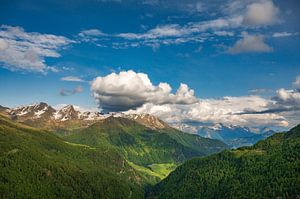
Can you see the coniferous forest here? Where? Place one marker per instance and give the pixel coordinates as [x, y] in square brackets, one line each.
[94, 163]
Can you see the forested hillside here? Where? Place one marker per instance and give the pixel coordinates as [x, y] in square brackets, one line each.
[115, 158]
[154, 152]
[38, 164]
[269, 169]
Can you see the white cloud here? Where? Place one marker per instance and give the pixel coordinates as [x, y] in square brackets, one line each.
[236, 14]
[72, 79]
[225, 110]
[91, 32]
[92, 35]
[3, 45]
[128, 89]
[169, 34]
[296, 83]
[250, 44]
[20, 50]
[224, 33]
[134, 93]
[170, 30]
[259, 13]
[286, 103]
[175, 30]
[288, 97]
[282, 34]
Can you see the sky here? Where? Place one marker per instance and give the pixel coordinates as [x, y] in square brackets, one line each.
[216, 61]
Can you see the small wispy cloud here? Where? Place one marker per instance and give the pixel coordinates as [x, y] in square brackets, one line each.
[91, 32]
[284, 34]
[72, 79]
[260, 91]
[239, 15]
[66, 92]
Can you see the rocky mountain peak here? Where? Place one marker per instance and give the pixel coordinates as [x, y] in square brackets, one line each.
[148, 120]
[66, 113]
[36, 110]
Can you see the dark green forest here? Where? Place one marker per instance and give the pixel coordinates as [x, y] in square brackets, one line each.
[38, 164]
[269, 169]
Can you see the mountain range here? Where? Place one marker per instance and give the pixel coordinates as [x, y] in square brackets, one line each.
[67, 118]
[233, 135]
[67, 153]
[50, 153]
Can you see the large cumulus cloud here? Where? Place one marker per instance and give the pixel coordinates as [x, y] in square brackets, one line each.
[128, 90]
[132, 92]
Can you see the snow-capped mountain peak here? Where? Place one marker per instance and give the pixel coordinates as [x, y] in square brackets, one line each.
[36, 110]
[44, 111]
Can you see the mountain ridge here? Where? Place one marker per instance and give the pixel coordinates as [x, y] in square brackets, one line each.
[68, 118]
[45, 114]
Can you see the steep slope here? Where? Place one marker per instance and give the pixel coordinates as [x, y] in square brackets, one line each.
[37, 164]
[269, 169]
[143, 146]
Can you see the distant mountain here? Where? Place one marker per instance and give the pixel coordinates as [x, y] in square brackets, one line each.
[66, 119]
[269, 169]
[234, 136]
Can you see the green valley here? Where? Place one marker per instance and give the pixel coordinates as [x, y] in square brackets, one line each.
[157, 151]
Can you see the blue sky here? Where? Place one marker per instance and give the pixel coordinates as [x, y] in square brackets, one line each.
[218, 48]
